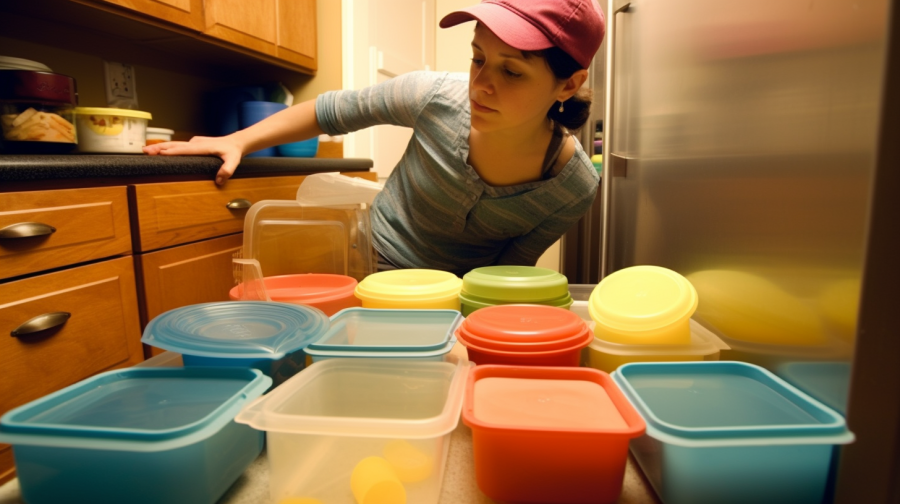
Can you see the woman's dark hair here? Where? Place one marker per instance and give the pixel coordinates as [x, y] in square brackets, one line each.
[576, 109]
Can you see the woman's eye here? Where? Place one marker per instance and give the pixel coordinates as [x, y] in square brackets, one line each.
[477, 62]
[511, 73]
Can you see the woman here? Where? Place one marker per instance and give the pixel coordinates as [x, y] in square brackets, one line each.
[491, 174]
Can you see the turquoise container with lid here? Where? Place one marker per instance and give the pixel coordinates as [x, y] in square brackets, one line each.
[497, 285]
[730, 432]
[137, 435]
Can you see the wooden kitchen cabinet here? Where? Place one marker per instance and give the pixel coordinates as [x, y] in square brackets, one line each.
[247, 23]
[296, 24]
[186, 13]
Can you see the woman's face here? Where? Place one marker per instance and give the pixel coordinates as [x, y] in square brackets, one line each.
[506, 89]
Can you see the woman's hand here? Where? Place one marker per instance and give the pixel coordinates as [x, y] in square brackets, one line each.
[226, 147]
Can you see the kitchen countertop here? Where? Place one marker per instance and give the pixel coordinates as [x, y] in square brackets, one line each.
[27, 168]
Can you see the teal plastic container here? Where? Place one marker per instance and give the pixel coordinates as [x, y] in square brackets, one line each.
[138, 435]
[730, 432]
[498, 285]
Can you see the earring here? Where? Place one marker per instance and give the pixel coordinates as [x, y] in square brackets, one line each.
[561, 107]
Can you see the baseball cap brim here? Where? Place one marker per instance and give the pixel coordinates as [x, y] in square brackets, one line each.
[506, 24]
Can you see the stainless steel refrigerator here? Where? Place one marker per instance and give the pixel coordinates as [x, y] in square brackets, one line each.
[750, 147]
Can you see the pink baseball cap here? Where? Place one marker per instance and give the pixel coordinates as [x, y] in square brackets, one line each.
[575, 26]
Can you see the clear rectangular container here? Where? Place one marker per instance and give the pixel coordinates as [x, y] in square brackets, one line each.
[730, 432]
[137, 435]
[346, 427]
[383, 330]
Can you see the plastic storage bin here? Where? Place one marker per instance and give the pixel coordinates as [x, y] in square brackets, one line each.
[346, 429]
[730, 432]
[549, 435]
[497, 285]
[138, 435]
[417, 289]
[329, 293]
[111, 130]
[646, 305]
[266, 336]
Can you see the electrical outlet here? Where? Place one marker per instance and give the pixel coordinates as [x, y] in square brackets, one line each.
[120, 85]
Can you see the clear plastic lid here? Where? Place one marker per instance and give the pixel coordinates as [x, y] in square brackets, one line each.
[404, 284]
[379, 330]
[642, 298]
[511, 284]
[237, 329]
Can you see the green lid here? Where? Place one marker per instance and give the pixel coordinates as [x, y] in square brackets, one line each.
[515, 284]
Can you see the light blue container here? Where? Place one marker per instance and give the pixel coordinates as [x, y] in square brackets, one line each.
[730, 432]
[138, 435]
[306, 148]
[384, 333]
[268, 336]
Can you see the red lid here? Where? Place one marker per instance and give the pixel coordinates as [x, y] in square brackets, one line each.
[522, 346]
[524, 323]
[42, 87]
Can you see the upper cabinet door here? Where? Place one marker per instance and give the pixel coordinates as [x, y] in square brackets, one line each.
[246, 23]
[187, 13]
[297, 32]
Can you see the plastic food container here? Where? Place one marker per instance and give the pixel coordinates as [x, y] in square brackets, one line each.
[527, 335]
[37, 111]
[395, 334]
[730, 432]
[159, 135]
[417, 289]
[329, 293]
[111, 130]
[306, 148]
[549, 435]
[252, 112]
[644, 305]
[138, 435]
[497, 285]
[266, 336]
[346, 430]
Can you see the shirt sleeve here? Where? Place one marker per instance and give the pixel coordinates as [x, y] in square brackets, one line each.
[397, 101]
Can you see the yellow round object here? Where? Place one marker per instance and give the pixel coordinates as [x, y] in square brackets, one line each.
[410, 463]
[105, 124]
[839, 304]
[643, 305]
[300, 500]
[410, 289]
[750, 308]
[374, 481]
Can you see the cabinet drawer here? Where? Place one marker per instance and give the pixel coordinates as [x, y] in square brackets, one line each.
[82, 225]
[102, 332]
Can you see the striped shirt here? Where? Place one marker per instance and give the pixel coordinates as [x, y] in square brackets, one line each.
[435, 211]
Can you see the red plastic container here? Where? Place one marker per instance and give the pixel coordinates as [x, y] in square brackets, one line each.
[327, 292]
[548, 434]
[528, 335]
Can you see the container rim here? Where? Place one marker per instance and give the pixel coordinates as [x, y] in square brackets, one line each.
[109, 111]
[338, 322]
[703, 342]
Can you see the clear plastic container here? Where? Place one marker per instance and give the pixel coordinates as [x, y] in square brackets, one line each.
[138, 435]
[647, 305]
[549, 435]
[111, 130]
[730, 432]
[36, 109]
[497, 285]
[345, 428]
[416, 289]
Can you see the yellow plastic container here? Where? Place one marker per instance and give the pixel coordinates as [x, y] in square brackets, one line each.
[410, 289]
[643, 305]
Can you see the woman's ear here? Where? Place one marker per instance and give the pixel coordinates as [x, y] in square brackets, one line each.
[572, 85]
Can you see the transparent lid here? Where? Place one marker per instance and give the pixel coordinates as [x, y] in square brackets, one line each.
[515, 283]
[237, 329]
[403, 284]
[524, 323]
[365, 329]
[703, 342]
[642, 298]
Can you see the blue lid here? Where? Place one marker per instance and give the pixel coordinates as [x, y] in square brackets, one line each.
[237, 329]
[732, 401]
[828, 382]
[137, 409]
[380, 330]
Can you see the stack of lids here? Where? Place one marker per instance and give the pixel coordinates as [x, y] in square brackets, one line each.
[525, 335]
[410, 289]
[380, 333]
[497, 285]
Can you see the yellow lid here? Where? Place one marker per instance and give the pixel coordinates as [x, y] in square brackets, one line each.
[405, 284]
[107, 111]
[642, 298]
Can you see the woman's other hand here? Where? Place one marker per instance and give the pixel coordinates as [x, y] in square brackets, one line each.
[225, 147]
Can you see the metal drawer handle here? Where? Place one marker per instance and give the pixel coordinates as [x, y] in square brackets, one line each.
[26, 230]
[42, 323]
[238, 204]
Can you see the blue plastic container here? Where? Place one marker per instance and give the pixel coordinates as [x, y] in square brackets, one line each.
[268, 336]
[253, 112]
[225, 107]
[306, 148]
[730, 432]
[138, 435]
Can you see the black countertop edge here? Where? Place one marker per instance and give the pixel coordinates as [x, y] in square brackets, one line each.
[24, 168]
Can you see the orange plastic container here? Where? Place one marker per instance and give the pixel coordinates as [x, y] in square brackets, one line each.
[549, 435]
[327, 292]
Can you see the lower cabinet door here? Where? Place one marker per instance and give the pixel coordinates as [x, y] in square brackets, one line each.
[59, 328]
[197, 273]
